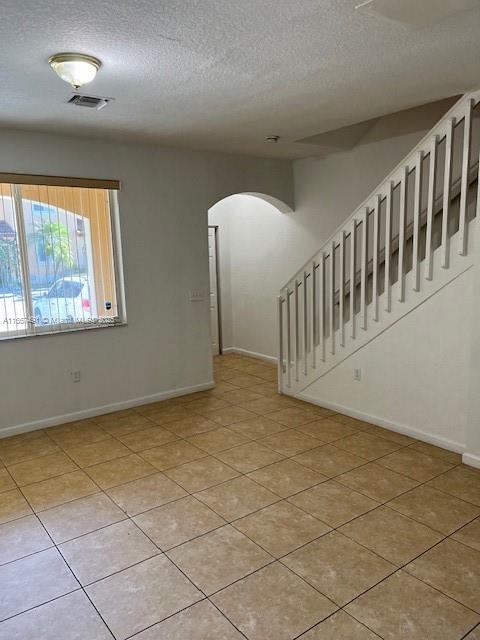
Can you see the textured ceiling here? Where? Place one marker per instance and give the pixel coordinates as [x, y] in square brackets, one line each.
[223, 74]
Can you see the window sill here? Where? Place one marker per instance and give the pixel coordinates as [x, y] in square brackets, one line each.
[63, 331]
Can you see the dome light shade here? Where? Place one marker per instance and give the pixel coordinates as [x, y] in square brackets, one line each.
[75, 68]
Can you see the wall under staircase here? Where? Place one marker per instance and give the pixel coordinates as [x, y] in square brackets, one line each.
[407, 250]
[413, 380]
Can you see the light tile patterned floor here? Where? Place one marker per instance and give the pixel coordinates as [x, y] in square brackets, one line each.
[236, 513]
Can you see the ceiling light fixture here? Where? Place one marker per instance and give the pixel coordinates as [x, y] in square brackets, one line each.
[75, 68]
[274, 139]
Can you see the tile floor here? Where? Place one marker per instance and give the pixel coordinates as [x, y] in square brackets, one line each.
[236, 513]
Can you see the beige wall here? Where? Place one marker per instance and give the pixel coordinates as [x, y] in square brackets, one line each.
[415, 375]
[472, 308]
[262, 248]
[163, 213]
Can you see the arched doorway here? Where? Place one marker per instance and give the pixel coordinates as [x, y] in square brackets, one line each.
[234, 293]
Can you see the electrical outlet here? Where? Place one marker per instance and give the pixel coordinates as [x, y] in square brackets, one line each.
[75, 375]
[196, 296]
[357, 375]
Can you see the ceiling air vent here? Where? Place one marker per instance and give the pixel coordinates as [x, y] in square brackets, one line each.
[91, 102]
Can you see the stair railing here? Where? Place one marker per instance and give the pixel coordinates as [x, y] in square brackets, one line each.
[313, 305]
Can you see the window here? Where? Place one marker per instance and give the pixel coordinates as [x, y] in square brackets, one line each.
[60, 264]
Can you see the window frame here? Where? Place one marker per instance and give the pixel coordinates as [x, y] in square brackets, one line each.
[29, 328]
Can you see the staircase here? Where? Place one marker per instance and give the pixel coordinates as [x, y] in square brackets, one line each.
[408, 239]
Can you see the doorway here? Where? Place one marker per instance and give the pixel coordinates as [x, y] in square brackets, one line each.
[215, 315]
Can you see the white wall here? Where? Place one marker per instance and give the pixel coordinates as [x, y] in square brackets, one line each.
[261, 248]
[472, 452]
[414, 375]
[163, 208]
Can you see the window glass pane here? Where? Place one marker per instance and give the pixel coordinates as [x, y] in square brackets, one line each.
[71, 289]
[70, 255]
[55, 290]
[13, 315]
[62, 236]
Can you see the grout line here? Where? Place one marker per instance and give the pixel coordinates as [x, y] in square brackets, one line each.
[205, 599]
[245, 474]
[226, 618]
[191, 581]
[37, 606]
[230, 584]
[84, 590]
[70, 569]
[122, 484]
[55, 546]
[398, 567]
[61, 503]
[475, 628]
[28, 555]
[117, 571]
[43, 455]
[240, 473]
[279, 559]
[82, 535]
[304, 633]
[9, 475]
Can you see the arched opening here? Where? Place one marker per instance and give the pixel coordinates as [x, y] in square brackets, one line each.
[242, 232]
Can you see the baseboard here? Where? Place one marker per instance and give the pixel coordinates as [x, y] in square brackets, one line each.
[471, 460]
[250, 354]
[406, 430]
[107, 408]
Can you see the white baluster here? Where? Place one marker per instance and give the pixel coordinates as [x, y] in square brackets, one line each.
[305, 323]
[416, 221]
[388, 247]
[280, 344]
[467, 143]
[364, 271]
[289, 339]
[376, 235]
[353, 273]
[332, 298]
[297, 330]
[321, 277]
[447, 179]
[341, 290]
[432, 179]
[477, 210]
[314, 315]
[401, 235]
